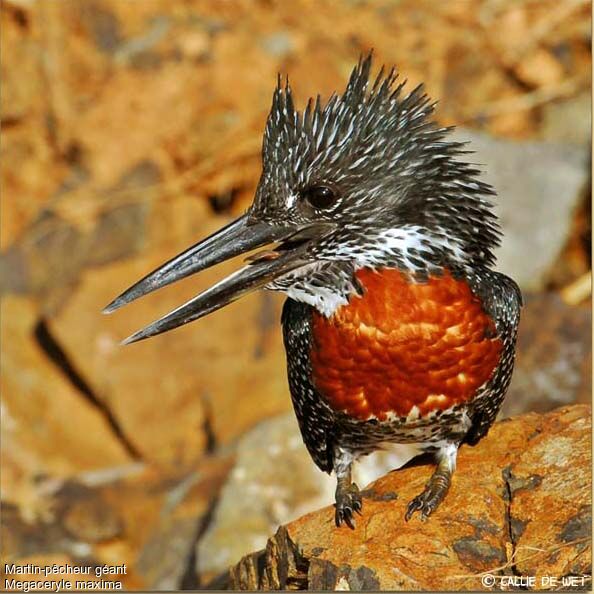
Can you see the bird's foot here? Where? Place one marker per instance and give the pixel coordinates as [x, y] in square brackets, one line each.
[348, 501]
[433, 494]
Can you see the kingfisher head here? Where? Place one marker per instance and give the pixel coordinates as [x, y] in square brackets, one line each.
[365, 180]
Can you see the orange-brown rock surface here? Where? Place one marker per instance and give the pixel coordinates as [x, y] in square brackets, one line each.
[42, 413]
[129, 516]
[186, 379]
[520, 505]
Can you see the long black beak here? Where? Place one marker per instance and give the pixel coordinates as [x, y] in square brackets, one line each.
[239, 237]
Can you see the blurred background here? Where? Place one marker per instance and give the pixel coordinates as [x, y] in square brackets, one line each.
[132, 129]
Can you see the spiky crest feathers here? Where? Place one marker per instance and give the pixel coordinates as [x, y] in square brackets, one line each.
[404, 183]
[359, 109]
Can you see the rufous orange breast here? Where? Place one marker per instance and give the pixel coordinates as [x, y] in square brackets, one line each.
[403, 344]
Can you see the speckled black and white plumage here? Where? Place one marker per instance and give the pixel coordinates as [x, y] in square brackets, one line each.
[394, 166]
[406, 195]
[408, 202]
[502, 300]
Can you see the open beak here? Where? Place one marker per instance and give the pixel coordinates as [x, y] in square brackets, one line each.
[239, 237]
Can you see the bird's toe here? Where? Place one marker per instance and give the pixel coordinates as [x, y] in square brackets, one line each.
[348, 502]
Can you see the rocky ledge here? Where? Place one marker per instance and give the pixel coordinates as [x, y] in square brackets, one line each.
[519, 506]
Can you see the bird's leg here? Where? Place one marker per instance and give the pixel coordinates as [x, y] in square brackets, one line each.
[348, 497]
[437, 487]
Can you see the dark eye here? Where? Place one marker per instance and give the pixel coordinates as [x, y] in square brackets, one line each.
[320, 197]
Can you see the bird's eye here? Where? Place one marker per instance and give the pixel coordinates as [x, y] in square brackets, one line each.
[320, 197]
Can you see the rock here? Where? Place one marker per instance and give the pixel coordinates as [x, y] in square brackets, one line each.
[171, 394]
[278, 44]
[102, 26]
[32, 580]
[29, 165]
[89, 71]
[134, 517]
[49, 427]
[70, 269]
[550, 489]
[539, 185]
[524, 513]
[51, 255]
[195, 44]
[554, 356]
[540, 69]
[274, 481]
[568, 121]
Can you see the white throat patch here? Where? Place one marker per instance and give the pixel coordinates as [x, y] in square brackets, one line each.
[409, 247]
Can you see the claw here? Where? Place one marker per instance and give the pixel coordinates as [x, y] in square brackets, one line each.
[425, 503]
[345, 515]
[428, 501]
[348, 500]
[437, 487]
[413, 506]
